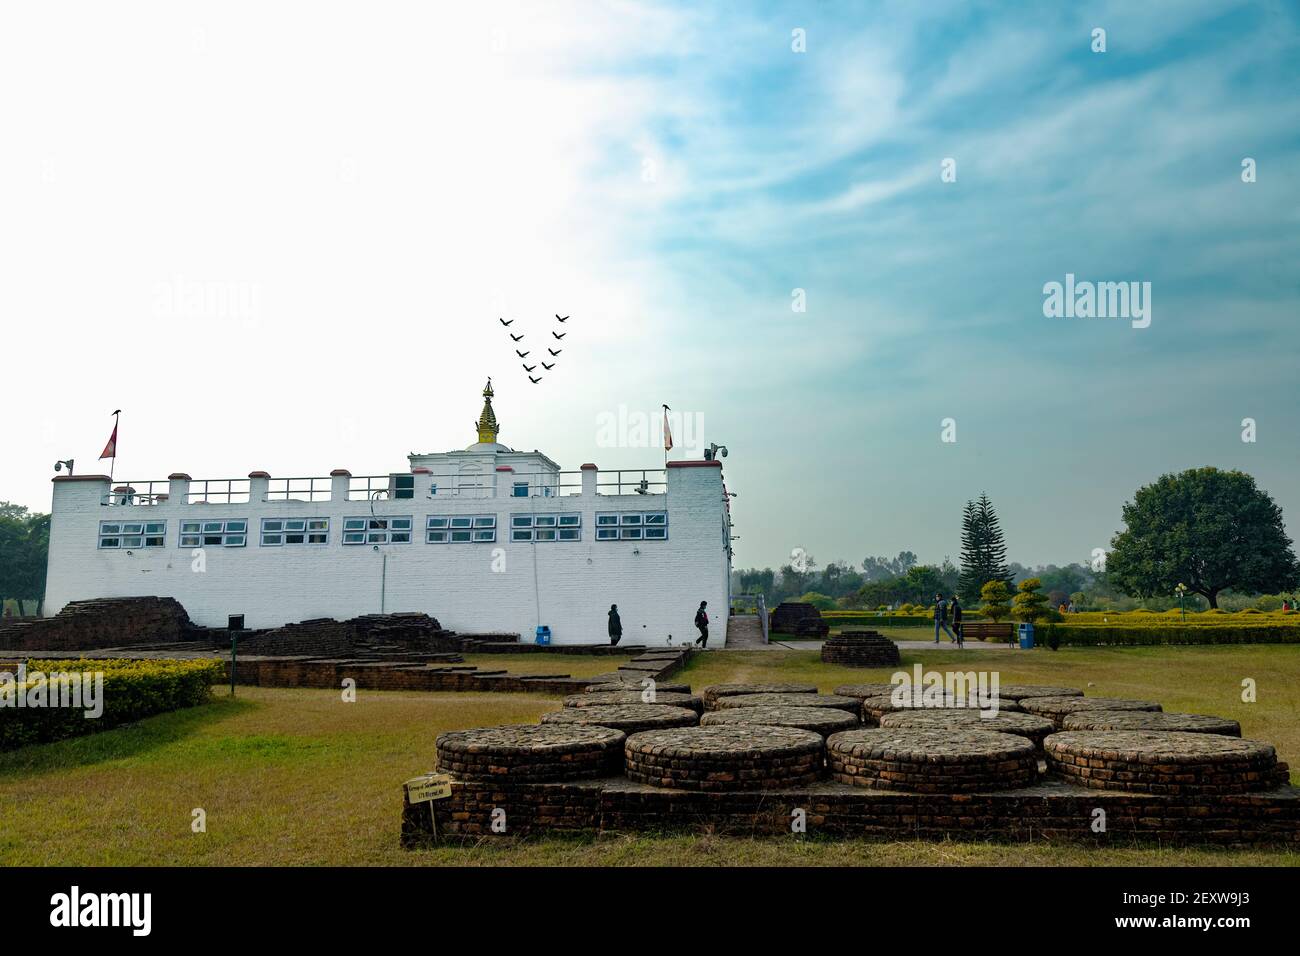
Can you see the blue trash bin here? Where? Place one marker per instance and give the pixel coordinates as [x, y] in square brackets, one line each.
[543, 634]
[1026, 633]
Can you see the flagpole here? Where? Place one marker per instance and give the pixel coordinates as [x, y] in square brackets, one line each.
[117, 417]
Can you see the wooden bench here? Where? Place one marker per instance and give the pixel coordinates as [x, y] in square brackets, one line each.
[987, 630]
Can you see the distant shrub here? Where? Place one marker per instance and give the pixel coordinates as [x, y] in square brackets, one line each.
[132, 690]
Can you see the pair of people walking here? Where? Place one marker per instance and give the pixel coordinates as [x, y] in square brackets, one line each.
[942, 611]
[701, 623]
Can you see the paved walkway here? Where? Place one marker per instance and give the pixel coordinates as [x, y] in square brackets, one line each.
[902, 646]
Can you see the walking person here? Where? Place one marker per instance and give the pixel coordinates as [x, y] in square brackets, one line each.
[941, 618]
[956, 620]
[702, 622]
[615, 625]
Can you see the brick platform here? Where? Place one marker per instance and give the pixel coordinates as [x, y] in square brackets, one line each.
[1048, 811]
[1148, 720]
[931, 761]
[1163, 762]
[873, 708]
[1021, 691]
[724, 758]
[836, 701]
[612, 686]
[863, 691]
[820, 720]
[534, 753]
[1055, 708]
[860, 649]
[629, 718]
[714, 691]
[1035, 729]
[633, 697]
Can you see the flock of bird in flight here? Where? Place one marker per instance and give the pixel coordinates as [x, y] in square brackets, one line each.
[524, 355]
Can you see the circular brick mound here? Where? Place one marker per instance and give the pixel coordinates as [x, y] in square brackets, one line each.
[820, 720]
[1021, 691]
[873, 708]
[613, 686]
[851, 704]
[530, 753]
[712, 693]
[724, 758]
[1034, 728]
[931, 761]
[1148, 720]
[860, 649]
[1055, 708]
[1163, 762]
[662, 698]
[629, 718]
[863, 691]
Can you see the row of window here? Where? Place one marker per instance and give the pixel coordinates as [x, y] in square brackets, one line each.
[439, 529]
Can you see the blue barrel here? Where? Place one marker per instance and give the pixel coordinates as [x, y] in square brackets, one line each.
[543, 634]
[1026, 633]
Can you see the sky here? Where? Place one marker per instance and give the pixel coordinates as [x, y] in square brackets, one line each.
[279, 237]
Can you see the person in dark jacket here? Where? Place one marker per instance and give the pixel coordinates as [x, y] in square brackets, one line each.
[702, 622]
[615, 625]
[940, 618]
[956, 620]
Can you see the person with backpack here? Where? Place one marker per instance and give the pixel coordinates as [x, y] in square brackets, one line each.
[615, 625]
[956, 620]
[702, 622]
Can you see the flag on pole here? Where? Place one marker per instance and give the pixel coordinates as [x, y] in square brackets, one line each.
[110, 450]
[668, 433]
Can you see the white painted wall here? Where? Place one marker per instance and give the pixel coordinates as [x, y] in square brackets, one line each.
[656, 584]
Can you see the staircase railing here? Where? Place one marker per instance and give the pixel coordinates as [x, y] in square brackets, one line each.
[762, 616]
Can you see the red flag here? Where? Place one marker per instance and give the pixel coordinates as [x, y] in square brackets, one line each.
[668, 432]
[110, 450]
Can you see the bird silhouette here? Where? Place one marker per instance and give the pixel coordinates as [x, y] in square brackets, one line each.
[565, 319]
[547, 367]
[559, 335]
[552, 351]
[504, 322]
[515, 337]
[527, 367]
[523, 354]
[533, 380]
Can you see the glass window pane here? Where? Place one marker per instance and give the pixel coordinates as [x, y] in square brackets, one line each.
[606, 519]
[462, 522]
[190, 526]
[631, 519]
[234, 541]
[460, 536]
[109, 543]
[631, 534]
[544, 521]
[485, 521]
[240, 525]
[436, 522]
[656, 517]
[400, 537]
[521, 521]
[521, 536]
[401, 524]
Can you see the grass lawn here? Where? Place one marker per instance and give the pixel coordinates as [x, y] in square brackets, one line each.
[298, 777]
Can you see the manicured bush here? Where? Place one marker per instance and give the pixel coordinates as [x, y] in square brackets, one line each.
[131, 690]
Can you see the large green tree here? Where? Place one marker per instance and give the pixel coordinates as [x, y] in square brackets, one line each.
[24, 545]
[983, 550]
[1208, 529]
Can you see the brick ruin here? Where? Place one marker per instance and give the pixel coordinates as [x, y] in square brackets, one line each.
[938, 776]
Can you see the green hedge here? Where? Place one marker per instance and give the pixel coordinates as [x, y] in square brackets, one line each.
[879, 619]
[1132, 635]
[131, 691]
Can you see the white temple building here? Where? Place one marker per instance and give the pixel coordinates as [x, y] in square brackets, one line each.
[486, 539]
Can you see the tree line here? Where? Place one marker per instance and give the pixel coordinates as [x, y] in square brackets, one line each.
[1214, 532]
[24, 546]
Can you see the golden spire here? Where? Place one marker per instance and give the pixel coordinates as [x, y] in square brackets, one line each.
[487, 420]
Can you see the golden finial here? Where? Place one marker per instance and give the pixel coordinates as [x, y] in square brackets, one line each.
[487, 421]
